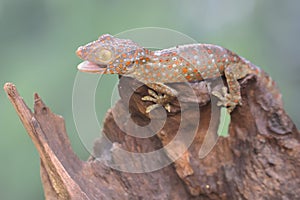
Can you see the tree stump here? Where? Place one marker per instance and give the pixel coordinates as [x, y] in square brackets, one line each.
[260, 159]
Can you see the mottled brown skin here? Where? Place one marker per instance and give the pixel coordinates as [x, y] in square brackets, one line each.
[185, 63]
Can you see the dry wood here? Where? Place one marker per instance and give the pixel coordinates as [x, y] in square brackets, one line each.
[259, 160]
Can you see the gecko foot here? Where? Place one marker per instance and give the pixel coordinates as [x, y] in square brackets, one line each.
[158, 99]
[226, 99]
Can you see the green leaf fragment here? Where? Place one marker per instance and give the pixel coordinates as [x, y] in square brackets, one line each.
[224, 123]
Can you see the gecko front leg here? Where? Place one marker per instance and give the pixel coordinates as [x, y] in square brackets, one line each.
[164, 96]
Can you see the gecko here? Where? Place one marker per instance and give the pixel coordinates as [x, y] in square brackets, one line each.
[156, 68]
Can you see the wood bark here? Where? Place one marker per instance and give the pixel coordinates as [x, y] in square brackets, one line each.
[260, 159]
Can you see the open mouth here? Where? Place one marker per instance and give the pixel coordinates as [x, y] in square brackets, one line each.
[87, 66]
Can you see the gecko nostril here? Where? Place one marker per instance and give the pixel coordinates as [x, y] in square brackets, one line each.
[79, 52]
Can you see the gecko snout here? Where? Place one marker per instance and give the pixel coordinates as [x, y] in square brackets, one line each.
[79, 52]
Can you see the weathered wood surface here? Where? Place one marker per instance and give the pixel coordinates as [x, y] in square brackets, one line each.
[259, 160]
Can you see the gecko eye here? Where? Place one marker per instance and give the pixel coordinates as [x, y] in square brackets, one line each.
[104, 55]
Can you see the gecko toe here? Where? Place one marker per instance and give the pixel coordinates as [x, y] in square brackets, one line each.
[149, 98]
[158, 100]
[168, 107]
[227, 100]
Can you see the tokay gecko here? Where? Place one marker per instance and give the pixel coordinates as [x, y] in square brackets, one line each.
[184, 63]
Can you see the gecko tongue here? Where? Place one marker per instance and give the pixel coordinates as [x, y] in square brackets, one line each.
[87, 66]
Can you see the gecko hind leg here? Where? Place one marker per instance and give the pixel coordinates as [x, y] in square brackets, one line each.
[164, 96]
[226, 99]
[232, 98]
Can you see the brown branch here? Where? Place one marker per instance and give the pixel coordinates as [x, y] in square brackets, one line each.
[259, 160]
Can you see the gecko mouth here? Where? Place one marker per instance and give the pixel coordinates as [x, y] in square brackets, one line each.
[87, 66]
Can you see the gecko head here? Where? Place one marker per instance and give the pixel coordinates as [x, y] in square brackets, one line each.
[109, 55]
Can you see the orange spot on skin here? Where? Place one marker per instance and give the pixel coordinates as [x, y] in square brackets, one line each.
[184, 70]
[188, 77]
[212, 71]
[221, 68]
[148, 67]
[195, 70]
[158, 74]
[128, 63]
[256, 71]
[235, 100]
[118, 70]
[170, 67]
[124, 55]
[277, 96]
[209, 51]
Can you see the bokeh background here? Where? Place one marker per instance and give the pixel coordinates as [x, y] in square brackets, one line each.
[38, 39]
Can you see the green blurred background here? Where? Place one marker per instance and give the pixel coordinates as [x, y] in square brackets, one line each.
[38, 39]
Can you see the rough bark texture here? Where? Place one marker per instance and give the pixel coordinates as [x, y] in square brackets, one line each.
[259, 160]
